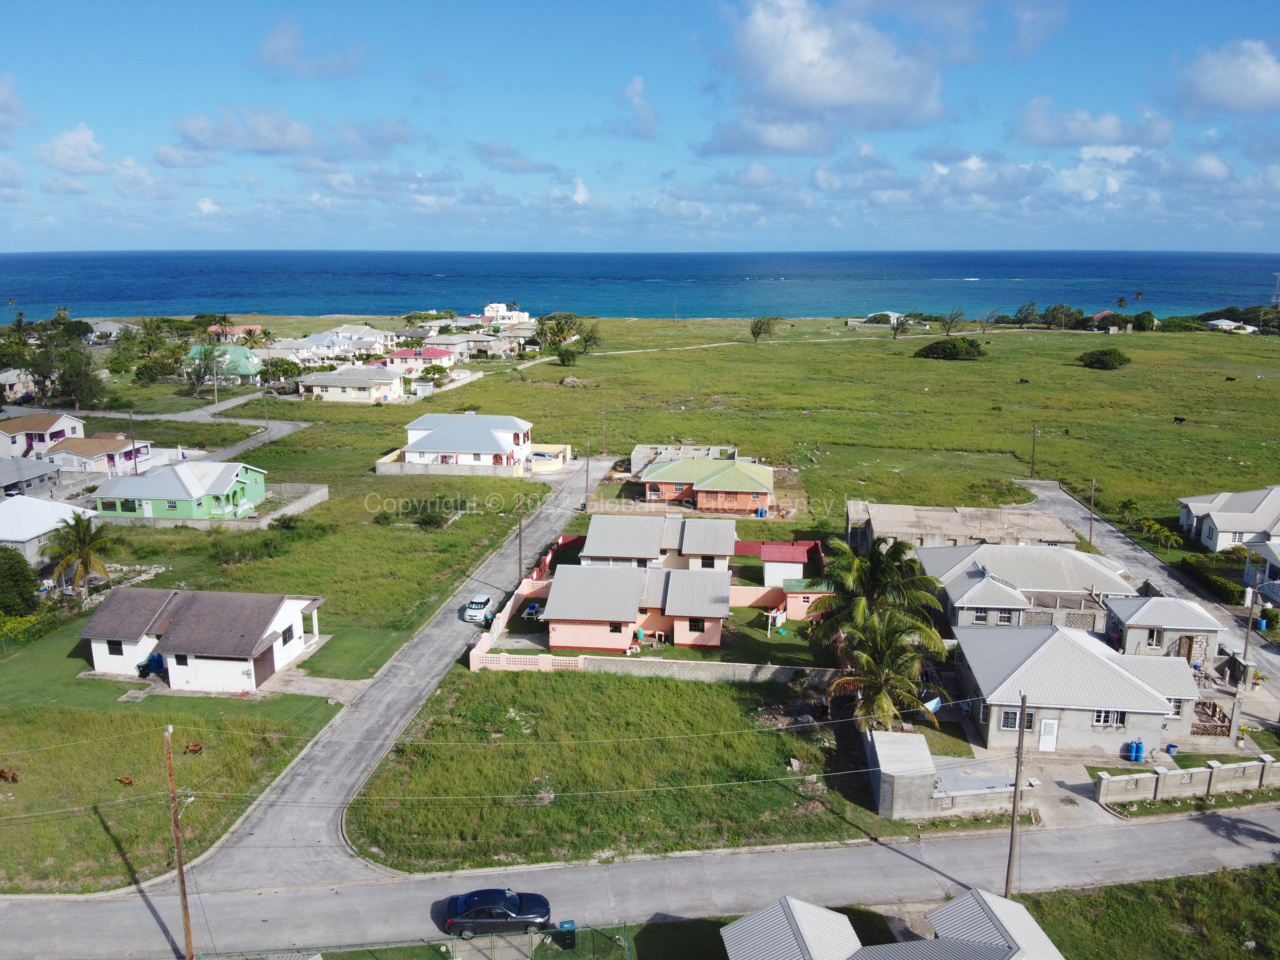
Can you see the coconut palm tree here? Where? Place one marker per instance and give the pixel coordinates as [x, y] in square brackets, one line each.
[224, 327]
[254, 339]
[886, 658]
[1139, 296]
[79, 550]
[1121, 302]
[886, 579]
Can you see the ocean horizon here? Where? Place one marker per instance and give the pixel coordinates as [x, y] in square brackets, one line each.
[684, 285]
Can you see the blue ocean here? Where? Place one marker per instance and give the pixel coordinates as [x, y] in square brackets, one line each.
[650, 285]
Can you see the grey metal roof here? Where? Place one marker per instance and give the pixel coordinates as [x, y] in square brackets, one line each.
[1171, 676]
[982, 917]
[993, 592]
[187, 480]
[791, 929]
[1170, 613]
[718, 537]
[465, 432]
[349, 377]
[16, 469]
[934, 950]
[697, 593]
[595, 594]
[632, 538]
[1054, 667]
[1042, 569]
[1249, 511]
[654, 593]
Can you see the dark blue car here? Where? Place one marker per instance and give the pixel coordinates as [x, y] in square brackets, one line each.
[496, 911]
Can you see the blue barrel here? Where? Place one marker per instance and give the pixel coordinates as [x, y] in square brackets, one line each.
[1171, 749]
[1262, 623]
[1138, 752]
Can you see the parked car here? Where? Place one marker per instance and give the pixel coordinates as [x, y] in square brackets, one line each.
[543, 455]
[479, 609]
[496, 911]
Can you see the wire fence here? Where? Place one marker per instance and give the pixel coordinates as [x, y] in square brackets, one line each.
[16, 632]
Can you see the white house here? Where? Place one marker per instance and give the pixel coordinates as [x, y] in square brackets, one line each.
[34, 433]
[15, 384]
[1231, 326]
[110, 329]
[111, 453]
[384, 339]
[501, 314]
[356, 384]
[26, 522]
[468, 439]
[1223, 520]
[210, 642]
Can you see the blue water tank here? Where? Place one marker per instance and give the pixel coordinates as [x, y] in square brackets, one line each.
[1138, 752]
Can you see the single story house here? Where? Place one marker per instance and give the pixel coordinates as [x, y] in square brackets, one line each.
[210, 642]
[34, 433]
[607, 608]
[411, 361]
[28, 477]
[1223, 520]
[783, 562]
[111, 453]
[232, 332]
[670, 542]
[1008, 586]
[380, 340]
[645, 455]
[952, 526]
[465, 345]
[468, 439]
[974, 926]
[15, 384]
[427, 328]
[188, 490]
[711, 486]
[1082, 696]
[26, 522]
[1162, 627]
[110, 329]
[1230, 326]
[363, 384]
[234, 360]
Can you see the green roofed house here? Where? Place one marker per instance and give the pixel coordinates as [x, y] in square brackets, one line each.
[236, 361]
[191, 490]
[712, 486]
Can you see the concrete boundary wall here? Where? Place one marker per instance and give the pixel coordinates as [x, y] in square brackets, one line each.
[306, 495]
[1164, 783]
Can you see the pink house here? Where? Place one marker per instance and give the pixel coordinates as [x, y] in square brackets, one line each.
[609, 608]
[411, 361]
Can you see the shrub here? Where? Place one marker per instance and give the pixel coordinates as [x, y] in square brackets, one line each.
[383, 519]
[952, 348]
[431, 519]
[1108, 359]
[567, 355]
[1221, 588]
[18, 583]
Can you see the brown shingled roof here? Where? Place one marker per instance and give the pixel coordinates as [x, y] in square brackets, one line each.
[31, 423]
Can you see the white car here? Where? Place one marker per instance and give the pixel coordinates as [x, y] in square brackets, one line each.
[479, 609]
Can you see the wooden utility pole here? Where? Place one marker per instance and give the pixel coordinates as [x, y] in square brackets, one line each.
[586, 478]
[520, 537]
[1017, 794]
[1035, 428]
[1093, 488]
[604, 444]
[177, 842]
[266, 413]
[1246, 675]
[133, 438]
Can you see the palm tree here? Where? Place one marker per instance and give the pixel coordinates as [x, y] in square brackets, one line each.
[253, 338]
[224, 326]
[1166, 538]
[886, 579]
[1121, 302]
[886, 658]
[1139, 295]
[79, 549]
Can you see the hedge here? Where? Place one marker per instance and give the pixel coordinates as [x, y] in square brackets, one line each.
[952, 348]
[1221, 588]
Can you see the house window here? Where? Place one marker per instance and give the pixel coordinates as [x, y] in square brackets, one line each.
[731, 498]
[171, 505]
[615, 628]
[697, 625]
[979, 616]
[679, 487]
[1108, 718]
[1177, 708]
[1004, 616]
[984, 713]
[129, 506]
[1153, 638]
[200, 502]
[179, 659]
[655, 491]
[475, 458]
[755, 496]
[708, 563]
[1009, 720]
[115, 648]
[286, 635]
[1237, 537]
[109, 505]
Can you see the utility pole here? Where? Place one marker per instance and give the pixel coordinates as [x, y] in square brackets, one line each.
[586, 478]
[266, 413]
[1093, 488]
[1017, 794]
[604, 444]
[133, 438]
[1035, 428]
[1246, 675]
[520, 556]
[177, 842]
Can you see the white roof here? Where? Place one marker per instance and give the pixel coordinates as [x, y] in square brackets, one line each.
[177, 481]
[1250, 511]
[791, 929]
[25, 518]
[1169, 613]
[350, 377]
[465, 432]
[1029, 569]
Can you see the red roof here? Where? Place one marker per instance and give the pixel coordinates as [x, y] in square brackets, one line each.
[1104, 313]
[784, 552]
[428, 353]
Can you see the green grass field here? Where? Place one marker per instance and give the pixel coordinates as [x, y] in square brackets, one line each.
[171, 433]
[68, 824]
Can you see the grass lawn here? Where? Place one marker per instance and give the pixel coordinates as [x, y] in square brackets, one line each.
[1186, 918]
[948, 740]
[171, 433]
[560, 782]
[69, 825]
[164, 397]
[1221, 801]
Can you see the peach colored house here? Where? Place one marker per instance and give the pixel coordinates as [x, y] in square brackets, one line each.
[669, 542]
[711, 486]
[608, 608]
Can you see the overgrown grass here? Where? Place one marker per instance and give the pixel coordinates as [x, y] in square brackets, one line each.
[504, 768]
[1218, 802]
[171, 433]
[1186, 918]
[69, 824]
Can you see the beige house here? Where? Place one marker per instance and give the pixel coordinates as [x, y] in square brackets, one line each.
[111, 453]
[953, 526]
[1162, 627]
[363, 384]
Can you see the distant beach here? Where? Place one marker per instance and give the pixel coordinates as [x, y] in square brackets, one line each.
[331, 283]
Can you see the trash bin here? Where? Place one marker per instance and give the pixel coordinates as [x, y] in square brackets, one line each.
[1262, 623]
[568, 935]
[1171, 749]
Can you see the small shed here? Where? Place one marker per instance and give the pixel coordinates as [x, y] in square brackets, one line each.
[783, 561]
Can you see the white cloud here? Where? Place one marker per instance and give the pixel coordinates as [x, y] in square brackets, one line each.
[207, 206]
[11, 112]
[1240, 77]
[1117, 155]
[65, 187]
[503, 156]
[72, 151]
[284, 49]
[178, 157]
[580, 192]
[1036, 20]
[263, 132]
[785, 138]
[132, 179]
[642, 122]
[1210, 167]
[12, 180]
[1041, 125]
[753, 174]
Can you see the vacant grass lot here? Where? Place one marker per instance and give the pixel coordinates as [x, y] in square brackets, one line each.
[506, 768]
[171, 433]
[68, 824]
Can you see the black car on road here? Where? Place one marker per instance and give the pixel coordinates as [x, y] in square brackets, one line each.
[496, 911]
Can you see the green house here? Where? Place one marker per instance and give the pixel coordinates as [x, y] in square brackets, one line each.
[235, 360]
[190, 490]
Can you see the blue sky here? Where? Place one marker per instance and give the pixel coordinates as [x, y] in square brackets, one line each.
[750, 125]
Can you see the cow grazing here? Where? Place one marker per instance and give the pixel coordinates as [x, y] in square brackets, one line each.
[127, 781]
[194, 747]
[1231, 379]
[1179, 419]
[9, 776]
[1024, 380]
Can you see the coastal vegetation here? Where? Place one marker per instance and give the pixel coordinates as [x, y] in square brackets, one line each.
[960, 348]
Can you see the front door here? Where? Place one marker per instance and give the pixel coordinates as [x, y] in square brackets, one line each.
[264, 665]
[146, 508]
[1048, 736]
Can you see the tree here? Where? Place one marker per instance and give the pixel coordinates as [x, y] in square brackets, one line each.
[79, 550]
[77, 380]
[278, 368]
[18, 583]
[224, 326]
[590, 338]
[253, 339]
[1027, 314]
[1149, 527]
[886, 579]
[42, 364]
[951, 319]
[1167, 539]
[203, 366]
[1108, 359]
[762, 327]
[961, 348]
[1128, 509]
[899, 323]
[558, 327]
[886, 658]
[1139, 296]
[1061, 316]
[1122, 302]
[986, 320]
[566, 355]
[151, 370]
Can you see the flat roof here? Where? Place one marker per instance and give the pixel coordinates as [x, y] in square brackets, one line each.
[977, 523]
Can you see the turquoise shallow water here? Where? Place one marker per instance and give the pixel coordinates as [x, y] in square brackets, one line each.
[685, 285]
